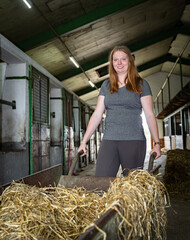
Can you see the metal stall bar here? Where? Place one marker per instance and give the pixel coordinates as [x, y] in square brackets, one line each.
[182, 115]
[181, 73]
[40, 124]
[162, 99]
[69, 133]
[30, 120]
[63, 112]
[169, 94]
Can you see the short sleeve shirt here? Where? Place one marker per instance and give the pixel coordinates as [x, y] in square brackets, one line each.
[123, 112]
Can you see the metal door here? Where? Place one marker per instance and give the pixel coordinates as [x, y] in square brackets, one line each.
[40, 126]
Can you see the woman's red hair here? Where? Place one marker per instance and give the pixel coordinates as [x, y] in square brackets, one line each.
[132, 79]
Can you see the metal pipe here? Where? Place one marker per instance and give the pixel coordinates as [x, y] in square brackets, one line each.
[40, 93]
[80, 128]
[174, 125]
[69, 132]
[181, 75]
[183, 130]
[169, 96]
[158, 106]
[162, 100]
[63, 110]
[30, 120]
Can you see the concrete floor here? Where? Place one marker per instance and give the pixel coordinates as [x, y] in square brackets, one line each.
[90, 169]
[178, 215]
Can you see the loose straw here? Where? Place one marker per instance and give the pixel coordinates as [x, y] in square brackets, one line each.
[28, 212]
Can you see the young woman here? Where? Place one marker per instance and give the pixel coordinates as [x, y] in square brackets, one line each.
[123, 97]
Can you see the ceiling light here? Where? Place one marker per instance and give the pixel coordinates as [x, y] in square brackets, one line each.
[74, 61]
[27, 4]
[91, 83]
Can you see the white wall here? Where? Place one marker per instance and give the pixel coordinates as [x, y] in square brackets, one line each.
[57, 122]
[14, 124]
[156, 81]
[2, 77]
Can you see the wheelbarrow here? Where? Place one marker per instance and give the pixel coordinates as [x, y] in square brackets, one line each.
[53, 176]
[108, 222]
[92, 182]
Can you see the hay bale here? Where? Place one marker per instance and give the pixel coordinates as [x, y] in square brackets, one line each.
[177, 172]
[28, 212]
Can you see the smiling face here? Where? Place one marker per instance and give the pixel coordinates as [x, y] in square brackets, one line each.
[120, 62]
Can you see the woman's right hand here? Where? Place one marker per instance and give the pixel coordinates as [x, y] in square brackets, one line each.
[83, 148]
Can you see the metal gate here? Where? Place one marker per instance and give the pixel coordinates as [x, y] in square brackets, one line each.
[40, 116]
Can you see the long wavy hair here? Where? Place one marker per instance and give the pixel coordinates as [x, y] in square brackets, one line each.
[132, 79]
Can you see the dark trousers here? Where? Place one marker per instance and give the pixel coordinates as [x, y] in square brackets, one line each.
[129, 153]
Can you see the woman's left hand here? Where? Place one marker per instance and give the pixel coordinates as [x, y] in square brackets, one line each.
[157, 150]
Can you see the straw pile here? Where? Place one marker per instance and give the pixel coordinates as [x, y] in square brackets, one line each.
[57, 213]
[177, 172]
[46, 213]
[142, 205]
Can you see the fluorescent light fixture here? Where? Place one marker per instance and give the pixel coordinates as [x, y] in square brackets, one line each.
[27, 4]
[91, 83]
[74, 61]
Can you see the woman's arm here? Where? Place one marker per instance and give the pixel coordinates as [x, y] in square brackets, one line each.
[147, 105]
[93, 123]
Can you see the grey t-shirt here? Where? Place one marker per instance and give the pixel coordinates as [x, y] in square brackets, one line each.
[123, 112]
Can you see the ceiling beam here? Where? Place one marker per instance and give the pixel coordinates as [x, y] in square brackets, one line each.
[72, 25]
[133, 47]
[88, 89]
[143, 67]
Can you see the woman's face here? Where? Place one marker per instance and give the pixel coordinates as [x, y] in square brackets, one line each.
[120, 62]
